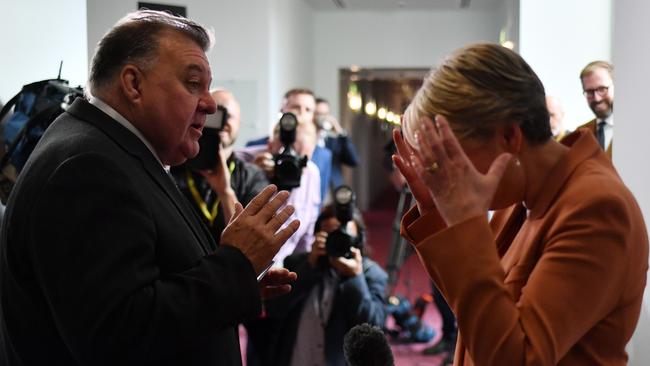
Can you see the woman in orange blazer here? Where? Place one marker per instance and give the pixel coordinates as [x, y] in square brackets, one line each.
[557, 276]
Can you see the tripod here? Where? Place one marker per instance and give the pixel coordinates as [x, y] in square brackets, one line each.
[400, 249]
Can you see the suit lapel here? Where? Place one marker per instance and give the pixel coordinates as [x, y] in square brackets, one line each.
[134, 147]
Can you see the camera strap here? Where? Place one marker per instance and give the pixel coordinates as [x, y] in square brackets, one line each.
[211, 215]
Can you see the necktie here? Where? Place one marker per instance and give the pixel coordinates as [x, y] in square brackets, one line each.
[600, 133]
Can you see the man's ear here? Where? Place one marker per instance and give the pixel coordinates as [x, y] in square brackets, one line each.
[131, 83]
[511, 137]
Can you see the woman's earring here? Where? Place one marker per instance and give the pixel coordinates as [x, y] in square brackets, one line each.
[517, 162]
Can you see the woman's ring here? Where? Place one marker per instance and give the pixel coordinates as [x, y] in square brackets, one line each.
[433, 167]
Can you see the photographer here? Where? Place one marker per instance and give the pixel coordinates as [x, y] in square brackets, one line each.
[332, 294]
[214, 192]
[302, 103]
[305, 197]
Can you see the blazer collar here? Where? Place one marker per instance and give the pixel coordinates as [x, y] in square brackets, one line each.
[583, 146]
[136, 148]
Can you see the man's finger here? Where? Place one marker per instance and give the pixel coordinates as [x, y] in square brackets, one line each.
[274, 291]
[278, 277]
[271, 207]
[281, 236]
[238, 210]
[280, 218]
[257, 203]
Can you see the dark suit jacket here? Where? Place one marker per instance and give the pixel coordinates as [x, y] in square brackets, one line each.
[357, 300]
[557, 283]
[343, 152]
[104, 263]
[592, 126]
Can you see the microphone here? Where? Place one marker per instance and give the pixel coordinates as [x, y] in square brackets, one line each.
[366, 345]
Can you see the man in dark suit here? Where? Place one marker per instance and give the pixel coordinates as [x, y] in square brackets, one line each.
[336, 139]
[598, 88]
[102, 260]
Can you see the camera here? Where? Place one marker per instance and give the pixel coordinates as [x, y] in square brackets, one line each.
[288, 165]
[210, 142]
[339, 241]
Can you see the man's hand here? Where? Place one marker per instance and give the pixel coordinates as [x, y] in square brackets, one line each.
[318, 249]
[349, 267]
[219, 177]
[219, 181]
[265, 161]
[276, 282]
[254, 229]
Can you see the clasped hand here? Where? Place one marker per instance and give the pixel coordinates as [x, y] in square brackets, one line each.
[441, 176]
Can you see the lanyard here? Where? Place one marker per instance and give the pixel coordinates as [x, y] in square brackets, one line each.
[211, 215]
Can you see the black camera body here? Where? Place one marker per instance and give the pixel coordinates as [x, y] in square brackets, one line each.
[288, 164]
[210, 142]
[339, 242]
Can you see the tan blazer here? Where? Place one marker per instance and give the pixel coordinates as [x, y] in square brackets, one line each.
[592, 126]
[559, 284]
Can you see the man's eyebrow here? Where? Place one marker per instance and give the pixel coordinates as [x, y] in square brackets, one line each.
[194, 67]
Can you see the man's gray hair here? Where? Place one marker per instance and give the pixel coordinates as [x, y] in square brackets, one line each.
[134, 39]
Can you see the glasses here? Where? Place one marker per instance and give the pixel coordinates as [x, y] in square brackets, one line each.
[601, 91]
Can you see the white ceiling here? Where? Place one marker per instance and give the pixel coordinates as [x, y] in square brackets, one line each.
[404, 5]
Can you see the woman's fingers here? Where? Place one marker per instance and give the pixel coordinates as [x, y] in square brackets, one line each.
[449, 140]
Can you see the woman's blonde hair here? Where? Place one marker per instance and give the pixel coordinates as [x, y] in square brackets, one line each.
[478, 87]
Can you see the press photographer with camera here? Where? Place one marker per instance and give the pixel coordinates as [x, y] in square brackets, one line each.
[300, 175]
[215, 180]
[338, 287]
[302, 103]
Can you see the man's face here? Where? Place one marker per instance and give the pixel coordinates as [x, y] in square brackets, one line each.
[305, 139]
[322, 109]
[331, 224]
[230, 130]
[175, 99]
[601, 105]
[556, 115]
[302, 105]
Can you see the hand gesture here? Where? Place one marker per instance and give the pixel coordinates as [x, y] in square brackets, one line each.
[349, 267]
[276, 282]
[254, 229]
[405, 162]
[457, 188]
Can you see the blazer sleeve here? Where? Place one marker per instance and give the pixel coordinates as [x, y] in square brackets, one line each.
[348, 153]
[100, 276]
[575, 283]
[364, 295]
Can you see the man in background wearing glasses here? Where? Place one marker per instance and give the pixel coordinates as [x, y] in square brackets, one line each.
[598, 88]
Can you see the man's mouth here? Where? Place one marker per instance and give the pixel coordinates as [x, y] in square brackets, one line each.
[198, 126]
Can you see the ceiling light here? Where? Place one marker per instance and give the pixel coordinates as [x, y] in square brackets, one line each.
[371, 108]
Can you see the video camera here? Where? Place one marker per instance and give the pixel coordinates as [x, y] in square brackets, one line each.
[339, 241]
[210, 142]
[288, 164]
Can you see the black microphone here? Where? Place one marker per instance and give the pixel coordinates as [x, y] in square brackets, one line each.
[366, 345]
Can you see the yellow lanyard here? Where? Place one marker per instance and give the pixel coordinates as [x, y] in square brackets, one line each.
[203, 206]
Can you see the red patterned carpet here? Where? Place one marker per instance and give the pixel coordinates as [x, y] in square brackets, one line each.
[412, 281]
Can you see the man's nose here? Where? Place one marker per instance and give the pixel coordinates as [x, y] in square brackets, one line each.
[597, 97]
[207, 103]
